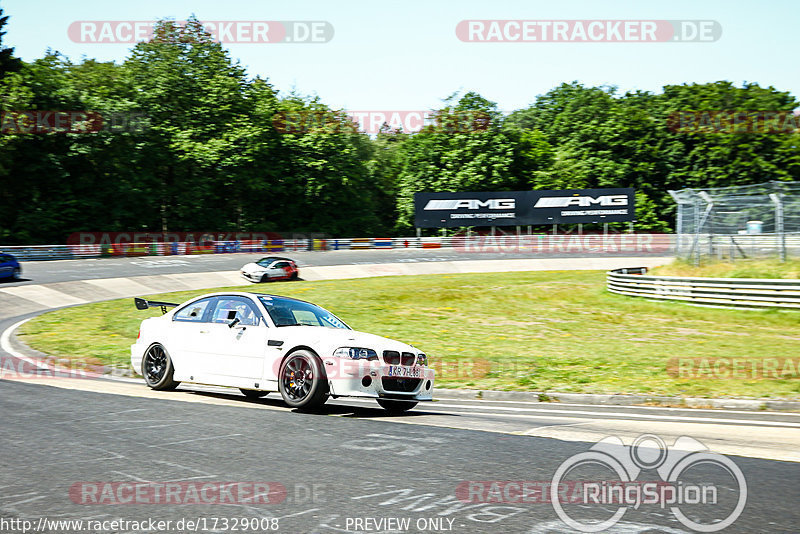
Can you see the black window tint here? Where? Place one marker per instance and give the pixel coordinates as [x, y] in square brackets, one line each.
[290, 312]
[194, 312]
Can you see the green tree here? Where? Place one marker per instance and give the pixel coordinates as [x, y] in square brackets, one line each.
[8, 63]
[469, 148]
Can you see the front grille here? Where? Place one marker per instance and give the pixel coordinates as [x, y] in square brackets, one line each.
[391, 357]
[404, 385]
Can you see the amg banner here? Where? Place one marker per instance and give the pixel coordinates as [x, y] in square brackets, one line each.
[513, 208]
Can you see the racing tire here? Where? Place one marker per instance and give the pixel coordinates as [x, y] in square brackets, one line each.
[16, 274]
[302, 381]
[396, 406]
[264, 278]
[157, 368]
[253, 393]
[295, 276]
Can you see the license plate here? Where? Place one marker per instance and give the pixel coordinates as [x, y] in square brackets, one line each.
[405, 372]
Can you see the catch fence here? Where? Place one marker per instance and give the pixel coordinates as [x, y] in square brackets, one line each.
[739, 222]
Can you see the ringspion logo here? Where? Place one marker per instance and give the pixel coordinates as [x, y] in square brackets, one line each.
[224, 31]
[689, 476]
[588, 31]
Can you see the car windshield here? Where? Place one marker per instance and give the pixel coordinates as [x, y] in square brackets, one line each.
[290, 312]
[265, 262]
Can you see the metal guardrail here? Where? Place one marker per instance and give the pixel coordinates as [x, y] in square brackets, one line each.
[592, 244]
[729, 292]
[70, 252]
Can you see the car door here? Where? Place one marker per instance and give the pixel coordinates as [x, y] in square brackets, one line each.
[235, 354]
[278, 270]
[188, 335]
[6, 267]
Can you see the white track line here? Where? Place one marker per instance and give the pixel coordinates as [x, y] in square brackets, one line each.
[6, 345]
[626, 406]
[599, 414]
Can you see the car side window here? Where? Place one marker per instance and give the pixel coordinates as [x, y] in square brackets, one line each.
[194, 312]
[306, 317]
[280, 265]
[229, 308]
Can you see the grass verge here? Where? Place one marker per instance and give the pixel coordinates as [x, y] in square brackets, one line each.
[755, 268]
[539, 331]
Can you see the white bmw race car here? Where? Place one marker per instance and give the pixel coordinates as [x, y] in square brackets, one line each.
[261, 343]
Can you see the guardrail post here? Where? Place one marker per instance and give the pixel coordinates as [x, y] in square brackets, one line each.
[678, 221]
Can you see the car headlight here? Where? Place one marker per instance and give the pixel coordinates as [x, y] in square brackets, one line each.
[355, 353]
[422, 360]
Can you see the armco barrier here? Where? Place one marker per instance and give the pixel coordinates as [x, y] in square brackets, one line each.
[360, 243]
[738, 292]
[70, 252]
[593, 244]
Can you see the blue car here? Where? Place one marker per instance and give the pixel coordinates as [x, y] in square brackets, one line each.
[9, 267]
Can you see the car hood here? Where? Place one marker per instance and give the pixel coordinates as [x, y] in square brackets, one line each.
[329, 339]
[250, 267]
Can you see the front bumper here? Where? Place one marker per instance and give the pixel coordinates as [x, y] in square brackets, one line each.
[373, 379]
[251, 277]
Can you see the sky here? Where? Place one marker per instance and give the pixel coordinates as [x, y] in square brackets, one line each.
[406, 55]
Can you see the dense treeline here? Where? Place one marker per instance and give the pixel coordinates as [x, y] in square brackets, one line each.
[212, 153]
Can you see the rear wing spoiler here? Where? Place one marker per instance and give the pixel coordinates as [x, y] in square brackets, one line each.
[142, 304]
